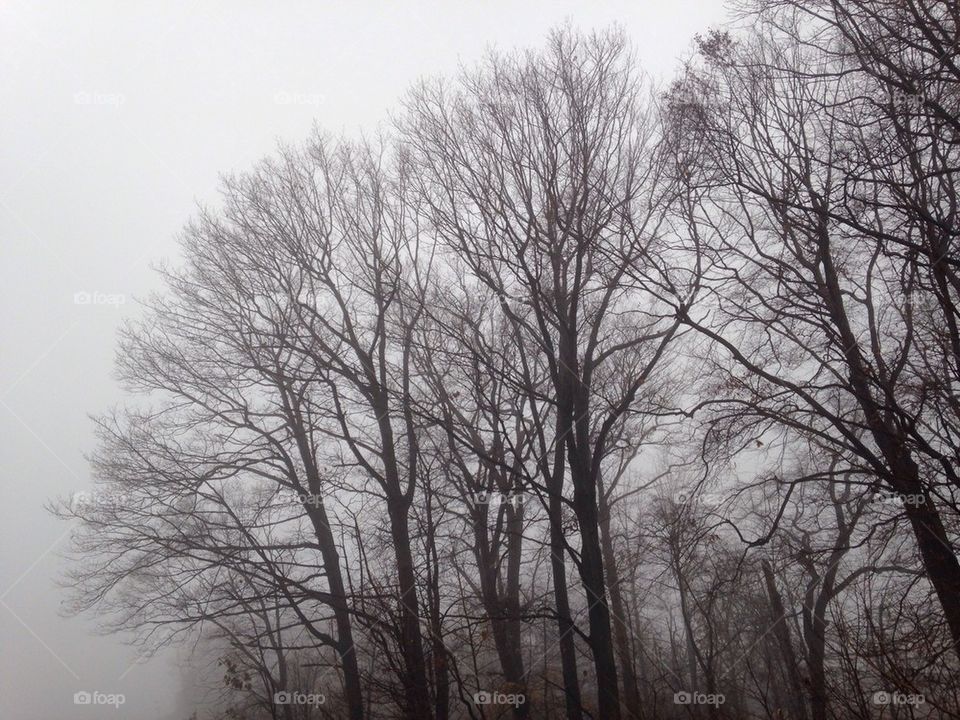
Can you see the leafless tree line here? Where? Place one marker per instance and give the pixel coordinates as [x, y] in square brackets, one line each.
[566, 397]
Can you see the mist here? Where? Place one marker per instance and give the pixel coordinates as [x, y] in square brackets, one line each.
[118, 121]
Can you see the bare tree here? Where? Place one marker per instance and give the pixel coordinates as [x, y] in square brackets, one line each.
[698, 357]
[539, 174]
[808, 304]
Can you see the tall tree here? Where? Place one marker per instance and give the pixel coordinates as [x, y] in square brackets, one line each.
[539, 173]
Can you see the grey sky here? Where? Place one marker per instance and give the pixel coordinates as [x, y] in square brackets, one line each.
[117, 118]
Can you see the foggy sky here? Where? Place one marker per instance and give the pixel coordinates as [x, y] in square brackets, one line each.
[117, 118]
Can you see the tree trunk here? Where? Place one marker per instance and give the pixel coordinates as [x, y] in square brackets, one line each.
[511, 603]
[815, 631]
[939, 560]
[317, 513]
[631, 690]
[341, 611]
[568, 651]
[504, 613]
[438, 650]
[781, 629]
[398, 508]
[573, 405]
[591, 574]
[415, 681]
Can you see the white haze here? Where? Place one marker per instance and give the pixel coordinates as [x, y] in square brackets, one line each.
[116, 119]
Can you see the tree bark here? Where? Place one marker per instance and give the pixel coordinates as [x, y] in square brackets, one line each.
[415, 681]
[781, 631]
[568, 651]
[573, 409]
[504, 612]
[631, 690]
[317, 513]
[939, 560]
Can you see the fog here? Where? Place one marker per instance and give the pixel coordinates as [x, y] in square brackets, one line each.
[117, 120]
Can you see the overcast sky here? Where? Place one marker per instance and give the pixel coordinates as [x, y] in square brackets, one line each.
[117, 118]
